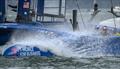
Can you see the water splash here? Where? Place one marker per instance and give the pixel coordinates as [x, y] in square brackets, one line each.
[45, 40]
[66, 44]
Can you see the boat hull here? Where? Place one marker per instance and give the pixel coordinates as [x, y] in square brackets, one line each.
[5, 35]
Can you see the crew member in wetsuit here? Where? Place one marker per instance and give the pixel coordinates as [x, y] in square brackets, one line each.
[104, 31]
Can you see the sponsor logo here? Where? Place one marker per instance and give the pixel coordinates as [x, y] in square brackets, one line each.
[29, 51]
[24, 51]
[19, 50]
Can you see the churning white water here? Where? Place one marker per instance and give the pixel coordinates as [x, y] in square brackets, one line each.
[45, 40]
[65, 44]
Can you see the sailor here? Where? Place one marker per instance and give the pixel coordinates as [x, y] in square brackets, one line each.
[104, 30]
[19, 17]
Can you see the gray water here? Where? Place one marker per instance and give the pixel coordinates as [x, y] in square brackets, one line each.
[60, 63]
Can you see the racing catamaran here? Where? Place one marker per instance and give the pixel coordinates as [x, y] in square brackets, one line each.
[28, 15]
[32, 21]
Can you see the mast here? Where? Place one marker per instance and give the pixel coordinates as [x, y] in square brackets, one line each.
[60, 7]
[2, 10]
[40, 7]
[111, 6]
[95, 1]
[65, 7]
[112, 11]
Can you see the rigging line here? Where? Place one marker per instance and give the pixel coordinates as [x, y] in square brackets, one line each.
[113, 15]
[80, 13]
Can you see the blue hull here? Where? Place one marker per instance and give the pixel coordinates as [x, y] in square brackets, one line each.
[85, 44]
[7, 29]
[5, 35]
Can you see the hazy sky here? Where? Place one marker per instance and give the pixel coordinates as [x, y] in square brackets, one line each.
[89, 3]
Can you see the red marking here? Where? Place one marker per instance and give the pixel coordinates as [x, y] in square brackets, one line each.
[14, 50]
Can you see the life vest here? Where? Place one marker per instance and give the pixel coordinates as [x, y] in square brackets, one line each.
[117, 34]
